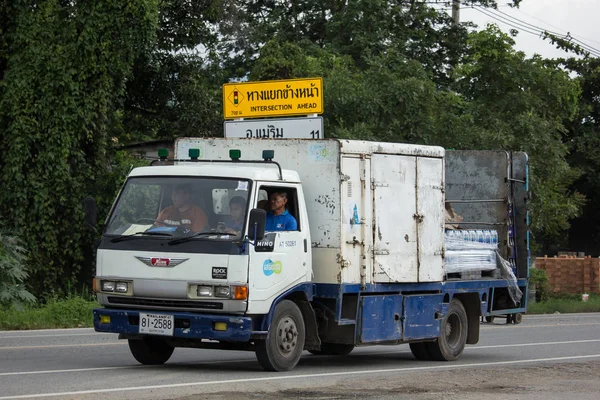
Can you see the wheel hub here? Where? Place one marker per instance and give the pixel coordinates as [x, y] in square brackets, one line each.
[287, 336]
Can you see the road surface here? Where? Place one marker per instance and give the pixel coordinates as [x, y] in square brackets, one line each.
[546, 357]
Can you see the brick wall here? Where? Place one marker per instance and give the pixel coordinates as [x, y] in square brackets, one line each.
[570, 274]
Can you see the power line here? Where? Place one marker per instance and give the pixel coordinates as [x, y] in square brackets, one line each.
[507, 23]
[537, 31]
[569, 36]
[554, 26]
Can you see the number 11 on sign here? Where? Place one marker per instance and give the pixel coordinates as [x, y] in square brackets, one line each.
[315, 135]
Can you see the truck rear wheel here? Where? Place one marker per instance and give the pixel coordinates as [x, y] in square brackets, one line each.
[150, 350]
[453, 336]
[282, 348]
[333, 349]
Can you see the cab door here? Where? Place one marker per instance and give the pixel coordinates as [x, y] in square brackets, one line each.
[281, 260]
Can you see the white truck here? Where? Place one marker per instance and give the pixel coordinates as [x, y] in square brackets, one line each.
[365, 266]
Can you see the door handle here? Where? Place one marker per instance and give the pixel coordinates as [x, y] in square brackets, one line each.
[305, 245]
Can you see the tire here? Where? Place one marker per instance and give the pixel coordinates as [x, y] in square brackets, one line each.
[453, 334]
[517, 318]
[333, 349]
[421, 351]
[489, 319]
[150, 350]
[282, 348]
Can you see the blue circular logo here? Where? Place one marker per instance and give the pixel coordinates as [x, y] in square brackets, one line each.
[270, 267]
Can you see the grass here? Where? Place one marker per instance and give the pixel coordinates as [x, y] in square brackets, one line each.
[75, 311]
[565, 304]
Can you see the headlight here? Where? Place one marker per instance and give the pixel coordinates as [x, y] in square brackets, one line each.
[222, 291]
[121, 287]
[205, 291]
[108, 286]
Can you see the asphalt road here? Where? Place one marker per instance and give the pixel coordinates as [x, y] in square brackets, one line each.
[545, 357]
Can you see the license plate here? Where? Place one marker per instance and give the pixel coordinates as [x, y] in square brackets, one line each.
[157, 324]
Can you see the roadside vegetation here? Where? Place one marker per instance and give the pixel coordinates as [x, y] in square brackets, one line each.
[565, 303]
[549, 302]
[74, 311]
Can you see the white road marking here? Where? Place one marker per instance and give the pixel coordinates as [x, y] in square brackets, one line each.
[91, 334]
[48, 330]
[521, 326]
[567, 315]
[302, 376]
[57, 371]
[49, 346]
[499, 346]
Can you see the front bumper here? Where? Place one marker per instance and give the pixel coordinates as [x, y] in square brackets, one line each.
[187, 325]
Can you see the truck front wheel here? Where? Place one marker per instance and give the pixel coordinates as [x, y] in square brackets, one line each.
[150, 350]
[453, 335]
[282, 348]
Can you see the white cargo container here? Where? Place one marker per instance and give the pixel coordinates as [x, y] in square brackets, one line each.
[375, 209]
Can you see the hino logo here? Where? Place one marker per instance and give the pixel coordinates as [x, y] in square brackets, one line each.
[161, 261]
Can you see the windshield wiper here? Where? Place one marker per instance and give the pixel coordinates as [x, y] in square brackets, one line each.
[186, 238]
[134, 235]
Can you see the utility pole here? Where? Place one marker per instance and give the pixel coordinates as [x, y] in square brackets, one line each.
[456, 11]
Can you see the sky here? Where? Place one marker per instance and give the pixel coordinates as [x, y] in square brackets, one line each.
[580, 18]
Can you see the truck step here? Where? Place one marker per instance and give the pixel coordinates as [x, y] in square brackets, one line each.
[472, 275]
[346, 321]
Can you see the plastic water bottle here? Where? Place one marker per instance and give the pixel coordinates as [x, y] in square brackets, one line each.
[472, 235]
[495, 238]
[487, 237]
[480, 236]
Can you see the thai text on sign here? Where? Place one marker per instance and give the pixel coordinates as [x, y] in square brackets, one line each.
[273, 98]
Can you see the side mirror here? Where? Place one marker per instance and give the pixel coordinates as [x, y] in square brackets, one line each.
[91, 212]
[256, 227]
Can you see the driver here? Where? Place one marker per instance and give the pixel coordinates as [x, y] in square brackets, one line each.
[183, 212]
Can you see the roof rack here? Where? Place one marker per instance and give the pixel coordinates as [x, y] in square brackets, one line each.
[235, 156]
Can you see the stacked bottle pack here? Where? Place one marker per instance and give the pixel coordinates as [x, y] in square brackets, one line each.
[471, 250]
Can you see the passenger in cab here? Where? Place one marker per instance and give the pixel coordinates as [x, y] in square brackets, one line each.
[237, 209]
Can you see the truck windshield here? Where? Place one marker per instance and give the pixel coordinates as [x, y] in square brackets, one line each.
[167, 207]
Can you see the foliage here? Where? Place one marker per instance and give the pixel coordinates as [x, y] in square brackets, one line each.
[72, 311]
[563, 305]
[76, 78]
[64, 78]
[13, 271]
[583, 139]
[522, 104]
[538, 278]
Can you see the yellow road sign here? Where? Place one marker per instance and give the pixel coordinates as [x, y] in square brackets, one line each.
[273, 98]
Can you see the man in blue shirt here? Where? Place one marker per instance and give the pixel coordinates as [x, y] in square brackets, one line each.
[279, 218]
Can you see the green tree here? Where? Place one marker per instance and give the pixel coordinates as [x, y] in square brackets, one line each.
[521, 104]
[583, 139]
[66, 68]
[175, 86]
